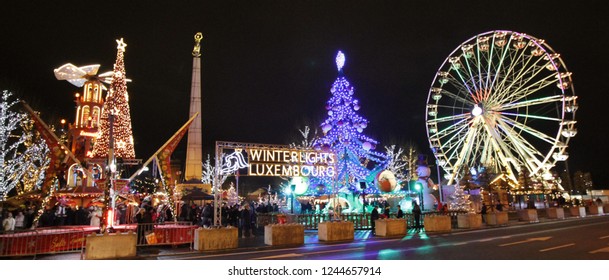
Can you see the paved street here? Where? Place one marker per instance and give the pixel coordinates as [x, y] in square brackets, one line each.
[571, 239]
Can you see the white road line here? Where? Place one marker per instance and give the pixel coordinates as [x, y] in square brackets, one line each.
[603, 237]
[309, 253]
[602, 250]
[279, 256]
[526, 241]
[557, 247]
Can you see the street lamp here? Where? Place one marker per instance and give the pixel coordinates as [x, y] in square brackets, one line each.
[293, 188]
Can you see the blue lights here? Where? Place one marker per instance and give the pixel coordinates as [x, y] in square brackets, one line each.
[343, 128]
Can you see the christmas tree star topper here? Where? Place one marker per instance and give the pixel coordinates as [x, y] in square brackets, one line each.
[340, 60]
[121, 45]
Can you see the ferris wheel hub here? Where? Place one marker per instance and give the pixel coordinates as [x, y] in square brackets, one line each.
[477, 111]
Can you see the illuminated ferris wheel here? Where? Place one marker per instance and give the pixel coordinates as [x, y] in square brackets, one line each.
[501, 100]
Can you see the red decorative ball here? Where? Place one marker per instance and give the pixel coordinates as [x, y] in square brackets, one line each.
[385, 181]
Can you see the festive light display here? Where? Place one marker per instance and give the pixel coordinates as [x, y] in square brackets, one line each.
[24, 156]
[209, 171]
[398, 163]
[231, 196]
[117, 104]
[45, 201]
[35, 159]
[459, 200]
[343, 135]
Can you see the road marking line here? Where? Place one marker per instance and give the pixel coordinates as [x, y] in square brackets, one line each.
[602, 250]
[526, 241]
[460, 243]
[557, 247]
[278, 256]
[603, 237]
[486, 240]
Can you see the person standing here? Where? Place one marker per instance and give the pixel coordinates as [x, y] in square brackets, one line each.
[400, 213]
[416, 211]
[20, 220]
[8, 224]
[499, 206]
[373, 217]
[141, 226]
[387, 211]
[246, 221]
[95, 216]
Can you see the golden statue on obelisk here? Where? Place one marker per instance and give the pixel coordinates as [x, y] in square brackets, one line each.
[196, 52]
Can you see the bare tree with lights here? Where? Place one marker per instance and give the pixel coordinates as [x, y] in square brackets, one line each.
[22, 156]
[35, 159]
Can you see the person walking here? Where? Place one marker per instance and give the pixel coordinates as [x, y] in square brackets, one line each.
[416, 211]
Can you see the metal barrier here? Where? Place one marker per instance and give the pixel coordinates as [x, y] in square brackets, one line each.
[360, 221]
[310, 221]
[169, 233]
[42, 241]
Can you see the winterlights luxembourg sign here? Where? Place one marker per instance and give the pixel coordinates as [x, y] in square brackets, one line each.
[290, 163]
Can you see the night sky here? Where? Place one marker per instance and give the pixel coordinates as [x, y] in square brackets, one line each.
[268, 66]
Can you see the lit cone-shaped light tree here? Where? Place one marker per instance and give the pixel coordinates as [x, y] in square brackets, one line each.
[117, 104]
[459, 200]
[343, 135]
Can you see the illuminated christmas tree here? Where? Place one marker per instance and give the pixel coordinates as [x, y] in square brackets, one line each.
[116, 104]
[343, 135]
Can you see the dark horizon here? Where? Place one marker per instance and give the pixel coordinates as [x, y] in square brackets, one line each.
[268, 66]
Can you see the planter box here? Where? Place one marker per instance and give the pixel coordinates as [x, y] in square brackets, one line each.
[595, 210]
[216, 238]
[555, 213]
[497, 218]
[335, 231]
[469, 220]
[437, 223]
[111, 246]
[286, 234]
[390, 227]
[528, 215]
[577, 211]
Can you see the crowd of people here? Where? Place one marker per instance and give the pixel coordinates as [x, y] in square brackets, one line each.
[243, 216]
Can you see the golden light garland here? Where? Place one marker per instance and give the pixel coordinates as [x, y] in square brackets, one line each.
[45, 201]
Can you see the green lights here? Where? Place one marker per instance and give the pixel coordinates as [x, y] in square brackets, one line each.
[417, 186]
